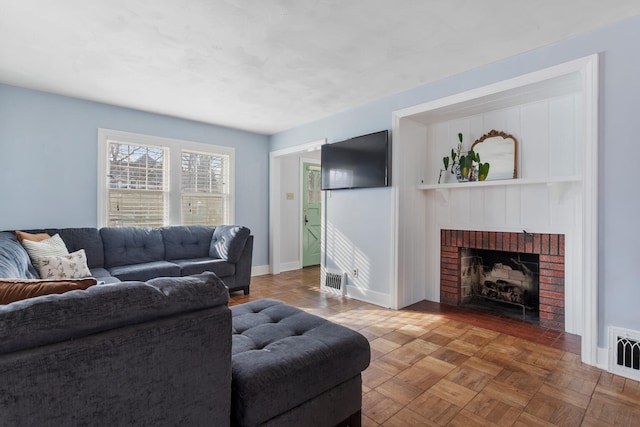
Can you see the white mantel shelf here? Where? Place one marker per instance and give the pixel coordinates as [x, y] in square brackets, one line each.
[502, 183]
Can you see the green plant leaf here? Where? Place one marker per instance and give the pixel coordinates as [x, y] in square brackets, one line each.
[460, 137]
[445, 160]
[483, 171]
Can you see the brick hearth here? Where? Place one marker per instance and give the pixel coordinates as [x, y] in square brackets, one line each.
[550, 248]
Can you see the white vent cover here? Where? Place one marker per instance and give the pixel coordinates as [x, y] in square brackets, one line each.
[624, 353]
[335, 282]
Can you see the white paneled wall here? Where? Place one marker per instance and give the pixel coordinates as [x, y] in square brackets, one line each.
[546, 132]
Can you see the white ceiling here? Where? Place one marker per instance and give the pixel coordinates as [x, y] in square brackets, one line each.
[270, 65]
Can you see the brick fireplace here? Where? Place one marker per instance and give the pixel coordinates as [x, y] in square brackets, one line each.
[549, 247]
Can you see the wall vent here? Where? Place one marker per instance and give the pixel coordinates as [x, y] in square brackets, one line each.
[624, 353]
[335, 282]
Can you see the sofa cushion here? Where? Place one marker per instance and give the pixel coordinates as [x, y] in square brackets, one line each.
[12, 290]
[228, 242]
[14, 259]
[220, 267]
[145, 271]
[103, 276]
[283, 357]
[126, 246]
[186, 241]
[86, 238]
[180, 285]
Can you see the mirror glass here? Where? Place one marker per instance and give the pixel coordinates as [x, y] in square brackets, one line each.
[499, 150]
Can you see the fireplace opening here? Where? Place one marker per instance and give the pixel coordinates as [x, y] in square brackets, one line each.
[504, 283]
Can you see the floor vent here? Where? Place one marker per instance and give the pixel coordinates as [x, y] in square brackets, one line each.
[335, 282]
[624, 353]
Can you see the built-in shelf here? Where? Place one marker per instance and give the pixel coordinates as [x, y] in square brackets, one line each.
[502, 183]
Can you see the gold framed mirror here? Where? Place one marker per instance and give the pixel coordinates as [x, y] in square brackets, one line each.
[500, 150]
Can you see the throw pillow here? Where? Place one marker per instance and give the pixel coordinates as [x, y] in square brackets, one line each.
[39, 237]
[72, 266]
[14, 259]
[49, 247]
[18, 289]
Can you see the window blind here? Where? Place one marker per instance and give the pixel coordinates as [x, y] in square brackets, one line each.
[204, 188]
[138, 185]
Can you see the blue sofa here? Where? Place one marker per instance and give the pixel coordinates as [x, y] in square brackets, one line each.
[117, 254]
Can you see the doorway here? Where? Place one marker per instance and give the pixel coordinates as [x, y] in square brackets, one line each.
[285, 206]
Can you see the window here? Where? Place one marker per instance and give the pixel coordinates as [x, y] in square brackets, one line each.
[204, 182]
[153, 182]
[137, 185]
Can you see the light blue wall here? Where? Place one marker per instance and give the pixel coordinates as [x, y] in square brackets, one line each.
[619, 139]
[48, 158]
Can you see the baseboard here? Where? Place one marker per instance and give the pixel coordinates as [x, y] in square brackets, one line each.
[289, 266]
[366, 295]
[602, 358]
[259, 270]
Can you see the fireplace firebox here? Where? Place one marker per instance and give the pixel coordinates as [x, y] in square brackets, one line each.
[502, 282]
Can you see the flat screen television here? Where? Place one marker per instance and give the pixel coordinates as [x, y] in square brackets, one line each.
[360, 162]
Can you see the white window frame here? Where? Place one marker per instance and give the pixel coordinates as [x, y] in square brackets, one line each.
[175, 147]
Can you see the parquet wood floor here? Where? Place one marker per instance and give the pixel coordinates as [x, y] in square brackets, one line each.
[434, 365]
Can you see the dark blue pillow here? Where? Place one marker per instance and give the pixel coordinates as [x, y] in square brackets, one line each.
[228, 242]
[14, 259]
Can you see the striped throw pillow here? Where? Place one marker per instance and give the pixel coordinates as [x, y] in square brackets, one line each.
[50, 247]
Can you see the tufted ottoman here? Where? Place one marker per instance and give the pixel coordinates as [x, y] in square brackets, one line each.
[291, 368]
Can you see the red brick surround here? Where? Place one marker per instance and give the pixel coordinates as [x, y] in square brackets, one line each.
[550, 247]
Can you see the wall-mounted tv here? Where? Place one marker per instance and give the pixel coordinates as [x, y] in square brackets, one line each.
[360, 162]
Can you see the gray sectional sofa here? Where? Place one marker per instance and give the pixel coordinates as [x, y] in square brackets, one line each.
[168, 351]
[135, 253]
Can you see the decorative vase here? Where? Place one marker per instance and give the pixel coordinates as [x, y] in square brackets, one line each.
[458, 173]
[471, 176]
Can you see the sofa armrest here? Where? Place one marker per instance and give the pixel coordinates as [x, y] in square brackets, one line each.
[54, 318]
[243, 267]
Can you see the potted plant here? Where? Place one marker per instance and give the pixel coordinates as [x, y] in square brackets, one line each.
[466, 167]
[452, 160]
